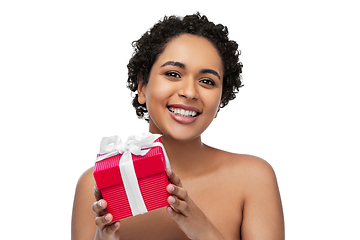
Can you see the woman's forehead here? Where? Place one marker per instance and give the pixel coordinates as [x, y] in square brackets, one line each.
[191, 50]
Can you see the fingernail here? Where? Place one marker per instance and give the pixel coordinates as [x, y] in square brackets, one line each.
[107, 218]
[171, 188]
[172, 199]
[171, 211]
[170, 171]
[99, 203]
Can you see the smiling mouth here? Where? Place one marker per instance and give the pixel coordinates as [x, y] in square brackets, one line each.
[183, 112]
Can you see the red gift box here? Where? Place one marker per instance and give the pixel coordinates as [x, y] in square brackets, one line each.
[151, 178]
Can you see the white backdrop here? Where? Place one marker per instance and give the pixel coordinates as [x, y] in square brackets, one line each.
[63, 73]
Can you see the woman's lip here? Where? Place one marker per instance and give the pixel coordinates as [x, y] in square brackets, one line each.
[183, 120]
[190, 108]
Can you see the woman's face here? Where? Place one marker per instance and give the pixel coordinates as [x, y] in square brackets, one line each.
[184, 89]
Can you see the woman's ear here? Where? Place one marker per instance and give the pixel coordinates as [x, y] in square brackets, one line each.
[141, 89]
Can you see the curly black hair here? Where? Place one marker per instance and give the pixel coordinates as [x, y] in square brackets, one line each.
[153, 42]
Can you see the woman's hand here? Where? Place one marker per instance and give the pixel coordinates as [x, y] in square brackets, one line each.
[105, 230]
[189, 217]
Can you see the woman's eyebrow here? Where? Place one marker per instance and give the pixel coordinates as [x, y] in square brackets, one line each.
[176, 64]
[206, 70]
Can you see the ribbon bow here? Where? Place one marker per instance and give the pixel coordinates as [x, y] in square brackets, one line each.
[136, 145]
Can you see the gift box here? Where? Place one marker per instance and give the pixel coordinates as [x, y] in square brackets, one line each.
[135, 183]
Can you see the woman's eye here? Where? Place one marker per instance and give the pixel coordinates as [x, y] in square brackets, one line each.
[207, 81]
[172, 74]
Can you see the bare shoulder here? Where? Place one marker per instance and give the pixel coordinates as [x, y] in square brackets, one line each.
[255, 180]
[253, 177]
[253, 199]
[86, 179]
[258, 175]
[254, 167]
[245, 166]
[85, 186]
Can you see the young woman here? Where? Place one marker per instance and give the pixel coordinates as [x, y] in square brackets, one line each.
[184, 70]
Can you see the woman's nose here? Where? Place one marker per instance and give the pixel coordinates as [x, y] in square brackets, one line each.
[188, 89]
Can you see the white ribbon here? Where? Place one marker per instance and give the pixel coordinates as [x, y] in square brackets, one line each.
[136, 145]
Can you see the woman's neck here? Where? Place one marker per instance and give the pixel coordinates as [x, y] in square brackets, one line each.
[185, 157]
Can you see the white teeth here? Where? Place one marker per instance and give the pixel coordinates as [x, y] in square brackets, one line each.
[183, 112]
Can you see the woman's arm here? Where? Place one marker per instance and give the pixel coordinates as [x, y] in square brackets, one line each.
[262, 214]
[83, 225]
[90, 219]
